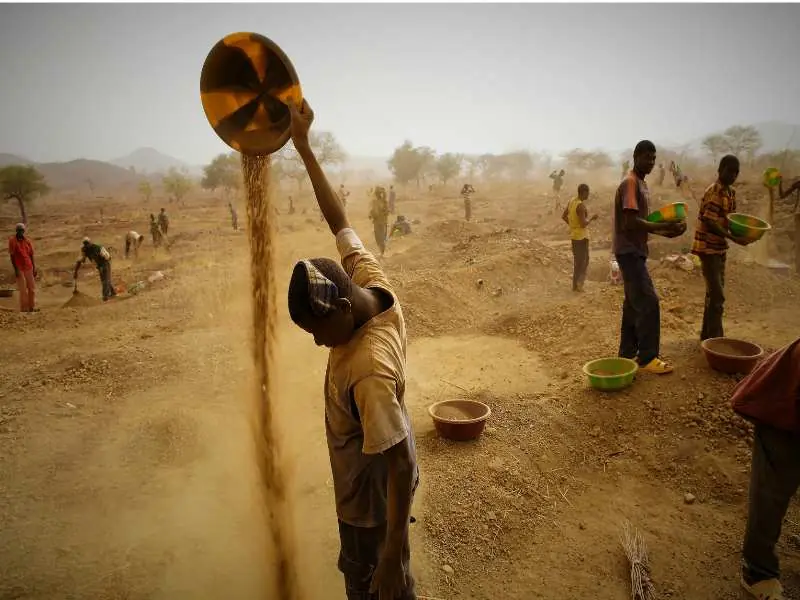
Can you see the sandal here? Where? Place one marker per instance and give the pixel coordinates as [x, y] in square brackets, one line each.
[657, 366]
[769, 589]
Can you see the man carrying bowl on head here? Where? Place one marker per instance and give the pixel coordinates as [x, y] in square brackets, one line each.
[794, 188]
[711, 237]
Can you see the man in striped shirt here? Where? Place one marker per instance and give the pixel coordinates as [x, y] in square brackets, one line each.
[711, 242]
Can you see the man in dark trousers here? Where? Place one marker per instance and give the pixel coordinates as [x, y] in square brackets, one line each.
[102, 259]
[640, 332]
[163, 222]
[577, 217]
[234, 217]
[769, 397]
[711, 237]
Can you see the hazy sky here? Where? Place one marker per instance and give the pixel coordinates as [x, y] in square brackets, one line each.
[98, 81]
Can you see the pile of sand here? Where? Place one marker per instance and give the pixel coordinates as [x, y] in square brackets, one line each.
[80, 300]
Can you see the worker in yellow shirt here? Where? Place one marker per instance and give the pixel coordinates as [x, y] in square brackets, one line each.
[577, 217]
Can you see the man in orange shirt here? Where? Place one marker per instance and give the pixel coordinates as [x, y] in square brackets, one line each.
[21, 251]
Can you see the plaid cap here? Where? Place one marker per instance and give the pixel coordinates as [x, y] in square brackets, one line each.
[321, 291]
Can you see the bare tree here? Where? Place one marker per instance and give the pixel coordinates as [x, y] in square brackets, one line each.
[743, 141]
[448, 166]
[716, 145]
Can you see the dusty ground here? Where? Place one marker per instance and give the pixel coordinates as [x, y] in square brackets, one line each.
[126, 460]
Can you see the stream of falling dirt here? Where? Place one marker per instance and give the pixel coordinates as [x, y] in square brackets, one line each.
[260, 230]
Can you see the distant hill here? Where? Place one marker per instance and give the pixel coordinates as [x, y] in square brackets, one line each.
[149, 161]
[12, 159]
[77, 174]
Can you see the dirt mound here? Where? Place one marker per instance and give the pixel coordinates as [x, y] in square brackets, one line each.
[81, 300]
[453, 230]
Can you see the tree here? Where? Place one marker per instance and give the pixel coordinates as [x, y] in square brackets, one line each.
[326, 148]
[287, 163]
[587, 160]
[518, 164]
[448, 166]
[224, 171]
[473, 166]
[716, 145]
[494, 166]
[146, 190]
[24, 184]
[177, 184]
[743, 141]
[405, 163]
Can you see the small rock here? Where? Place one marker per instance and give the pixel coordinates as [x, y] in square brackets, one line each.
[448, 569]
[582, 526]
[491, 516]
[689, 498]
[794, 539]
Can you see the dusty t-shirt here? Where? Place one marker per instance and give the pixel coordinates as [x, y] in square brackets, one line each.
[365, 412]
[632, 195]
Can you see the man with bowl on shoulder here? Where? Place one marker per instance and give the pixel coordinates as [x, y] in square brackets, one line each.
[710, 244]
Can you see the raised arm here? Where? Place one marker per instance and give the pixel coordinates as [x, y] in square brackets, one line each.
[782, 194]
[328, 200]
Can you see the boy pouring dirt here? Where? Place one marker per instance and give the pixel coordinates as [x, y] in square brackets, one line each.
[354, 312]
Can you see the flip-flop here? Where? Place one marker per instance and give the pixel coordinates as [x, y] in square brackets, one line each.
[769, 589]
[657, 366]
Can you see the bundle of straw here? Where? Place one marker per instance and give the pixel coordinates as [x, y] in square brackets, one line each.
[635, 549]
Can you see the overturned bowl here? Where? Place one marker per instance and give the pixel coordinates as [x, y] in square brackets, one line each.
[458, 419]
[245, 85]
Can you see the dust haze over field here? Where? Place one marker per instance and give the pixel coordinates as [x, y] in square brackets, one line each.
[128, 461]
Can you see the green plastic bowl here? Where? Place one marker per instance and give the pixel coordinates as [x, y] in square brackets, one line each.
[610, 374]
[747, 226]
[670, 213]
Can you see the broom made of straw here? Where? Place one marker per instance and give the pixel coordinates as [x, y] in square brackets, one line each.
[636, 550]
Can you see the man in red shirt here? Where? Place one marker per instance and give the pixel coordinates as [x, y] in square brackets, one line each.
[770, 398]
[21, 251]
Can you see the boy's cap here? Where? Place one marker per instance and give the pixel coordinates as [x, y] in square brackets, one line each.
[321, 291]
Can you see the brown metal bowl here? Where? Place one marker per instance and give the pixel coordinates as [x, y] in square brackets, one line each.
[459, 420]
[729, 355]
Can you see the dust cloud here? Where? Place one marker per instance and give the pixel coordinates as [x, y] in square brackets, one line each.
[262, 257]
